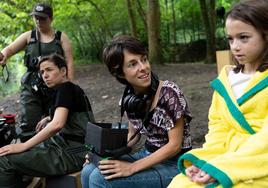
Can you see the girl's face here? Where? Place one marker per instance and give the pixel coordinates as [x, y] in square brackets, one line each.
[247, 44]
[51, 74]
[137, 71]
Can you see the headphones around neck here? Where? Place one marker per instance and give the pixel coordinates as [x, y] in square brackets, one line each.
[138, 104]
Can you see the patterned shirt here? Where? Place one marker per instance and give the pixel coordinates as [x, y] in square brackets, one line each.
[170, 107]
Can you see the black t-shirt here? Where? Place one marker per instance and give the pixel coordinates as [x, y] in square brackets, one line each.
[70, 96]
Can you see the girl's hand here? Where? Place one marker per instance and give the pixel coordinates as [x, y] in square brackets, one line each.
[196, 175]
[203, 177]
[12, 148]
[115, 169]
[192, 171]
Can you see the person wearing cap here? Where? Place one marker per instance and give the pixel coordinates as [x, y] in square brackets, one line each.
[41, 41]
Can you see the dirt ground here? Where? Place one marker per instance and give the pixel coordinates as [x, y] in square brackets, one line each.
[104, 92]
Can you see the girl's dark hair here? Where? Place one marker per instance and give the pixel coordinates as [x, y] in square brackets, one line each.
[255, 13]
[57, 59]
[113, 54]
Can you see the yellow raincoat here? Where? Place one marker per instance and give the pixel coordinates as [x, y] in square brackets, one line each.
[236, 149]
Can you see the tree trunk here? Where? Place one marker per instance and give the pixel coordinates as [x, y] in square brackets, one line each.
[132, 19]
[174, 30]
[153, 21]
[208, 14]
[212, 16]
[193, 29]
[142, 14]
[182, 26]
[167, 32]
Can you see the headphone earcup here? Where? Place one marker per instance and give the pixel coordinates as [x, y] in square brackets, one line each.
[125, 100]
[133, 103]
[138, 104]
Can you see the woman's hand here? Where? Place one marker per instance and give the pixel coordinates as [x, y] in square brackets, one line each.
[13, 148]
[115, 169]
[41, 124]
[87, 161]
[2, 59]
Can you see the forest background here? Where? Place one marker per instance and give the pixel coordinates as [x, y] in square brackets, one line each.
[176, 31]
[182, 35]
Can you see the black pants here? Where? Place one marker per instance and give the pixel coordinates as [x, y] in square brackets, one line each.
[47, 159]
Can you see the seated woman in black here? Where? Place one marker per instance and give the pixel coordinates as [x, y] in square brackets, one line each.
[49, 152]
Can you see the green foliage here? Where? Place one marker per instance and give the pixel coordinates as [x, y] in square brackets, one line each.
[14, 19]
[90, 24]
[16, 70]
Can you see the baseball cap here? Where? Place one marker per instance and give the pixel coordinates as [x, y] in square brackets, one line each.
[42, 10]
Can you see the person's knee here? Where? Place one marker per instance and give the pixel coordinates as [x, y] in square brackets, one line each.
[8, 175]
[96, 179]
[85, 173]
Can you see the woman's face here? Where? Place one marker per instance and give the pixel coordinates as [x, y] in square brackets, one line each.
[51, 74]
[137, 71]
[42, 22]
[246, 43]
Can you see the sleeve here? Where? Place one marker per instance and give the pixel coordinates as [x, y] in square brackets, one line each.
[243, 162]
[175, 104]
[249, 161]
[213, 147]
[217, 128]
[247, 156]
[64, 96]
[215, 139]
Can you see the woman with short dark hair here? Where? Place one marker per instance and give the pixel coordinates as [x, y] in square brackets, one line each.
[156, 109]
[50, 152]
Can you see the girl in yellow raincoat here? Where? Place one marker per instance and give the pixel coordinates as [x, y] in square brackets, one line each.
[235, 153]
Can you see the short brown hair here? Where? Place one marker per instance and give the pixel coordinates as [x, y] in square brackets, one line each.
[57, 59]
[113, 54]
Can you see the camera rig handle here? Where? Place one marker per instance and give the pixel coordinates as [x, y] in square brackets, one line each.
[108, 153]
[118, 152]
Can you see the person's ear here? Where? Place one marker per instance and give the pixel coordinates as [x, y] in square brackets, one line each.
[63, 71]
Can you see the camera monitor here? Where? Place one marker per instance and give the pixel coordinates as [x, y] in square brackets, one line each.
[106, 139]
